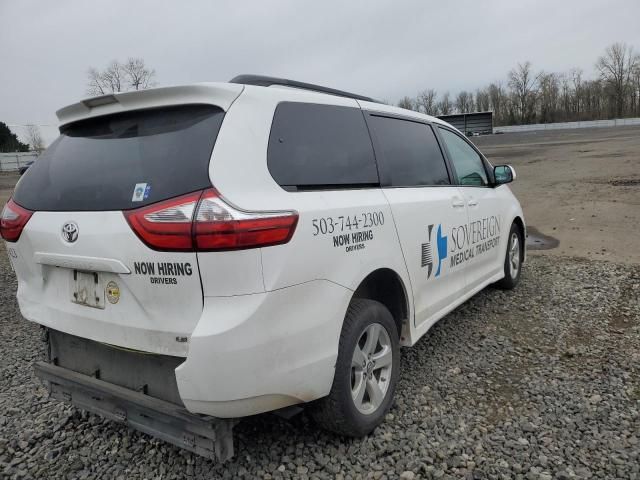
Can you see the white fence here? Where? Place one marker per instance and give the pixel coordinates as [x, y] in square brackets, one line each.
[616, 122]
[10, 162]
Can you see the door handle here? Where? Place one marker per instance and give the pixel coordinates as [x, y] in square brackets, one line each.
[457, 203]
[472, 203]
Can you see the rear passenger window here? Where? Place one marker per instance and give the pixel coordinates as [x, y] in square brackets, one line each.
[320, 146]
[412, 156]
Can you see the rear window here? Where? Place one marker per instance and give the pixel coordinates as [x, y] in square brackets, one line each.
[123, 161]
[412, 156]
[320, 146]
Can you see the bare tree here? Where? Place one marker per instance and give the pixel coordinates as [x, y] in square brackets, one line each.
[427, 102]
[120, 77]
[564, 96]
[549, 94]
[523, 83]
[138, 76]
[444, 105]
[616, 67]
[114, 76]
[594, 99]
[576, 78]
[464, 102]
[636, 90]
[34, 138]
[95, 82]
[497, 100]
[109, 80]
[482, 100]
[408, 103]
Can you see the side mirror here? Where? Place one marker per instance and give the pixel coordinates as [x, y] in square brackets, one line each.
[504, 174]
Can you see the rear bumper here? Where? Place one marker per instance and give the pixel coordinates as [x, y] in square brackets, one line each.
[206, 436]
[248, 354]
[256, 353]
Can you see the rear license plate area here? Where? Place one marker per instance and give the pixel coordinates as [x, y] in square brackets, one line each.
[86, 289]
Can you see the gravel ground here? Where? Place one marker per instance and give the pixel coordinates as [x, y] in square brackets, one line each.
[539, 383]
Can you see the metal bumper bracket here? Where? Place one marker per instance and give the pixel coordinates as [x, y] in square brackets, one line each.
[206, 436]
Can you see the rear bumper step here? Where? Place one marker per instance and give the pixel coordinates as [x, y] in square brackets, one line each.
[207, 436]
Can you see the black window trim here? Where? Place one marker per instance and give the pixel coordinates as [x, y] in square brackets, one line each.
[385, 181]
[488, 169]
[325, 187]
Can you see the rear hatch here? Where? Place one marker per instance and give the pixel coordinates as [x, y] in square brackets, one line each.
[86, 263]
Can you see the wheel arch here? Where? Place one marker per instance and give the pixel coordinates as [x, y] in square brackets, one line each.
[523, 232]
[387, 287]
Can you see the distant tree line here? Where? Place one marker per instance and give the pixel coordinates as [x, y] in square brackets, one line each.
[545, 97]
[9, 142]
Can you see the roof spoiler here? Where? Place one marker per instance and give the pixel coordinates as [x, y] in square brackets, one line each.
[219, 94]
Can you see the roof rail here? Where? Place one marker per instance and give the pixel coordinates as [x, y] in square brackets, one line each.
[263, 81]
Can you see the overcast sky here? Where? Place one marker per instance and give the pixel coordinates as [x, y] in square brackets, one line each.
[380, 49]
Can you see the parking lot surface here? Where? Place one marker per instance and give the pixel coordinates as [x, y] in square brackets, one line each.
[542, 382]
[580, 186]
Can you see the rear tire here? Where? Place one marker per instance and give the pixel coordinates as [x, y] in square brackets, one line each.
[366, 373]
[513, 259]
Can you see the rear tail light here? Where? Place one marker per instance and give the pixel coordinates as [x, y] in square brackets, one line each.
[166, 225]
[13, 220]
[219, 226]
[203, 221]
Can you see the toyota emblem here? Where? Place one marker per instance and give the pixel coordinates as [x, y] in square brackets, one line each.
[70, 232]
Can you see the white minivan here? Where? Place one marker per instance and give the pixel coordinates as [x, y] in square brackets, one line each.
[218, 250]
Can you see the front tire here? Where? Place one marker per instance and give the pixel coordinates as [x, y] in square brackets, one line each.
[366, 373]
[513, 259]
